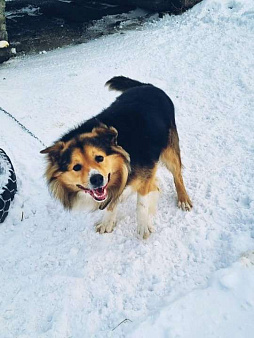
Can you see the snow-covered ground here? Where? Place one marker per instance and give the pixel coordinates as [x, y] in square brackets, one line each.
[193, 277]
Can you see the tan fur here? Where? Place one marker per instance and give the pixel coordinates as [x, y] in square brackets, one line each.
[144, 181]
[120, 172]
[71, 178]
[58, 190]
[63, 185]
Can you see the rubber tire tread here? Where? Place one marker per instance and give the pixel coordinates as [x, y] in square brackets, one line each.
[9, 189]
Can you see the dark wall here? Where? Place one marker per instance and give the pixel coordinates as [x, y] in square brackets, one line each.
[174, 6]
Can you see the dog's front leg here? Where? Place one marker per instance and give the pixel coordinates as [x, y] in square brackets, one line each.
[145, 210]
[109, 220]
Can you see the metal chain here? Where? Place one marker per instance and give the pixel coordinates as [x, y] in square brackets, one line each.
[22, 126]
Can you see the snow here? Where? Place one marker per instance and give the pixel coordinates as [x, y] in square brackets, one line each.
[189, 279]
[211, 312]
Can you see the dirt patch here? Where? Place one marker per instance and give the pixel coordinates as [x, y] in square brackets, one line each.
[46, 25]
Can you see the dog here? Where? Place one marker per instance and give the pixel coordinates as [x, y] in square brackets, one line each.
[118, 150]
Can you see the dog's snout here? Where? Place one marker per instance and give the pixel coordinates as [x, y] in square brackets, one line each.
[96, 180]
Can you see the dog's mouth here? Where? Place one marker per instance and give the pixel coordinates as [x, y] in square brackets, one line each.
[98, 194]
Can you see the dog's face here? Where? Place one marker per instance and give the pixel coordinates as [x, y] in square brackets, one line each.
[89, 169]
[85, 163]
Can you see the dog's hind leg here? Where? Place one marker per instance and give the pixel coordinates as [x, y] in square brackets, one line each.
[172, 159]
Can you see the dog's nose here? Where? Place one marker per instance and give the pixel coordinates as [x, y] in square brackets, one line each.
[96, 180]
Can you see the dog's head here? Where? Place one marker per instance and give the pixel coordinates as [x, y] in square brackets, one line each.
[88, 163]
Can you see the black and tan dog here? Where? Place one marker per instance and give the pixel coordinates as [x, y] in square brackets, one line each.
[97, 161]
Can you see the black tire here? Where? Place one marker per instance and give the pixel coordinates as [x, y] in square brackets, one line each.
[8, 185]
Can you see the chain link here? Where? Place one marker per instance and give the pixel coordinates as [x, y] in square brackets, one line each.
[22, 126]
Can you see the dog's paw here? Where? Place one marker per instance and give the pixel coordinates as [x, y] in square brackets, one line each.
[185, 204]
[105, 227]
[144, 230]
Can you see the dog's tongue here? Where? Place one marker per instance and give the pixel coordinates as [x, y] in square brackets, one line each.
[99, 194]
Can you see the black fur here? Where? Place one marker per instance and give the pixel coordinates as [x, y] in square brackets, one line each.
[143, 116]
[122, 83]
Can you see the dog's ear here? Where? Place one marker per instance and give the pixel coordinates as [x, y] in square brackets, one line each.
[109, 134]
[54, 150]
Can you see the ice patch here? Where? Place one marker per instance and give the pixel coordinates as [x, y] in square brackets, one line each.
[29, 10]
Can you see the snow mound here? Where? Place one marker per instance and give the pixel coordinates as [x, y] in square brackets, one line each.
[224, 308]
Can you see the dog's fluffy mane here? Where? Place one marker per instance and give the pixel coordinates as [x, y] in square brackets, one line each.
[59, 155]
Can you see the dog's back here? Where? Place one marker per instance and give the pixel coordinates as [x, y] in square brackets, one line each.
[143, 116]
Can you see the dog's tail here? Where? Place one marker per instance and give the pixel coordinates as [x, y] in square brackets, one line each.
[122, 83]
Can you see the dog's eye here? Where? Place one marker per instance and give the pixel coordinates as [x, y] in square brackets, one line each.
[99, 158]
[77, 167]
